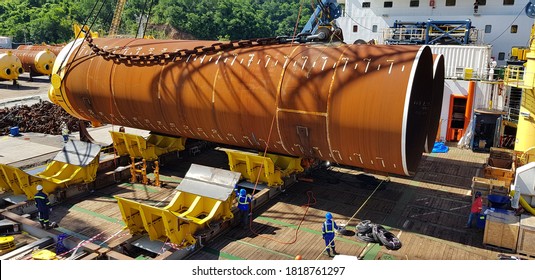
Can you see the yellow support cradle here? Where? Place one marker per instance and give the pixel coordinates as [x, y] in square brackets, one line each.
[179, 221]
[204, 196]
[287, 165]
[67, 168]
[18, 181]
[270, 169]
[151, 148]
[63, 173]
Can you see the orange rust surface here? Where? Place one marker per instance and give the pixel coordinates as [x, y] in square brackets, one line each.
[359, 105]
[53, 49]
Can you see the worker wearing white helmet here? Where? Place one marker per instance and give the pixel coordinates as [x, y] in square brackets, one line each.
[65, 132]
[43, 206]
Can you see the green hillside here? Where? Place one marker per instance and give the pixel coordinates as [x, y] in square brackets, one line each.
[50, 21]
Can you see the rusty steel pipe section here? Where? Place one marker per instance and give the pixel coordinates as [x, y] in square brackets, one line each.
[54, 49]
[359, 105]
[436, 101]
[36, 62]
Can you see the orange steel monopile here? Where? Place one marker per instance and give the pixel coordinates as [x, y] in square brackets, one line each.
[365, 106]
[436, 101]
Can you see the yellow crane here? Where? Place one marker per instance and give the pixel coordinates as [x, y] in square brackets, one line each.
[116, 17]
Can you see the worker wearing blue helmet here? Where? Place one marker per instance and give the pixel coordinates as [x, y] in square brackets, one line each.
[328, 228]
[244, 201]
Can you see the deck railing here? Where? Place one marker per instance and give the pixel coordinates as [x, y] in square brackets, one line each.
[515, 77]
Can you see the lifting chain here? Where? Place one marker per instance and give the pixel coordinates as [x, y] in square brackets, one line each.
[166, 57]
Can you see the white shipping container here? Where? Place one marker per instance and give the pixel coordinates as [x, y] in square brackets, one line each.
[458, 58]
[5, 43]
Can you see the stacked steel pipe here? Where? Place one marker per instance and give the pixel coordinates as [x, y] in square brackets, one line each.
[36, 62]
[54, 49]
[365, 106]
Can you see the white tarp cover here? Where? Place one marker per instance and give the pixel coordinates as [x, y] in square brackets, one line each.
[209, 182]
[78, 153]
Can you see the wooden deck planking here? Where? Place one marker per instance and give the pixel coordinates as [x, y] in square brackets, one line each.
[429, 210]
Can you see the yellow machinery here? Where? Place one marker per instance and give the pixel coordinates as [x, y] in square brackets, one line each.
[525, 79]
[7, 243]
[149, 149]
[116, 17]
[205, 196]
[79, 34]
[10, 66]
[76, 163]
[519, 53]
[270, 169]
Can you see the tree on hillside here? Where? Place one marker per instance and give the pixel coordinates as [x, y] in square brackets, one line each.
[50, 21]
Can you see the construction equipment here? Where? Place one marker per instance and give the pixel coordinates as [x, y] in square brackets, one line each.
[116, 18]
[431, 32]
[80, 31]
[322, 26]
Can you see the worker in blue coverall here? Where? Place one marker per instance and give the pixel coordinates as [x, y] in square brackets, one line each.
[244, 201]
[327, 229]
[43, 206]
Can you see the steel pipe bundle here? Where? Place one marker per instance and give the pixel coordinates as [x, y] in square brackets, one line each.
[359, 105]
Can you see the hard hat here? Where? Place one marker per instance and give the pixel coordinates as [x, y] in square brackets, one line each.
[243, 192]
[328, 216]
[39, 187]
[478, 194]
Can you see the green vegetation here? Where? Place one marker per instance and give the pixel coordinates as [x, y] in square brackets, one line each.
[50, 21]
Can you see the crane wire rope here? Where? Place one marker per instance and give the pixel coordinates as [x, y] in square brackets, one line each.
[508, 27]
[141, 17]
[148, 17]
[81, 30]
[310, 194]
[354, 214]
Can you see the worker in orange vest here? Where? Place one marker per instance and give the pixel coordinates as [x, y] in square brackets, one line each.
[477, 205]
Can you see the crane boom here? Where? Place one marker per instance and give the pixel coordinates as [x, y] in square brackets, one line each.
[117, 17]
